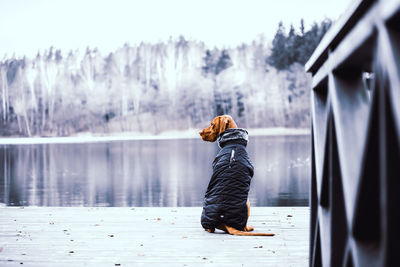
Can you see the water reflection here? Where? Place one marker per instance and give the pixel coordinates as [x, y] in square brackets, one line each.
[147, 173]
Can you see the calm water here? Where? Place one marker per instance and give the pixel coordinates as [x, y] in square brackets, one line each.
[147, 173]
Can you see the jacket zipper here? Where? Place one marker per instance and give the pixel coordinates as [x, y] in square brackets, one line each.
[232, 159]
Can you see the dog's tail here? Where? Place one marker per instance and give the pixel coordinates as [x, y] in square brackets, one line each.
[234, 231]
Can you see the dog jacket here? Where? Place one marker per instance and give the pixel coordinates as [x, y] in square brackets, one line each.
[226, 195]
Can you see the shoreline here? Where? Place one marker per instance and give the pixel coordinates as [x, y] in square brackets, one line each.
[128, 136]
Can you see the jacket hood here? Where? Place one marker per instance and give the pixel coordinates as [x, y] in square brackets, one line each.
[233, 135]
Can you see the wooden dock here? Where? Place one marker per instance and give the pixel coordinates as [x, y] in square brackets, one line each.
[48, 236]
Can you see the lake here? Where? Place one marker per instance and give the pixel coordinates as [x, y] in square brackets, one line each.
[173, 172]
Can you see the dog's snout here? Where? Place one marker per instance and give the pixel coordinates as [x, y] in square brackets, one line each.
[207, 134]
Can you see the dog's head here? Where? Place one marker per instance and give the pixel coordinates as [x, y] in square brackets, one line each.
[217, 127]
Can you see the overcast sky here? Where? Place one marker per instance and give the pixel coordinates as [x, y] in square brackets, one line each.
[27, 26]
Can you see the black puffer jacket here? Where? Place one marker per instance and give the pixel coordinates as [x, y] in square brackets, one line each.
[226, 196]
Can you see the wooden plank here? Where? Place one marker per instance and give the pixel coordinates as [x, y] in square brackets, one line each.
[47, 236]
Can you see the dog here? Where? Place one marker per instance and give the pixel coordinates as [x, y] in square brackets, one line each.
[226, 205]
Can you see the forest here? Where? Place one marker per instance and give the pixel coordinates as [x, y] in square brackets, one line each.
[154, 87]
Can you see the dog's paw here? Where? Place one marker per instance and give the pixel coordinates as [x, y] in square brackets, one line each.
[248, 228]
[209, 230]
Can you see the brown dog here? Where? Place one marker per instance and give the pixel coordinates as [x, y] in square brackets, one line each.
[217, 128]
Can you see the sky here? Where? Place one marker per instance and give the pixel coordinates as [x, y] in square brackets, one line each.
[29, 26]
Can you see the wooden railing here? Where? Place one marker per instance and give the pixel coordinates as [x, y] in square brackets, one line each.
[355, 187]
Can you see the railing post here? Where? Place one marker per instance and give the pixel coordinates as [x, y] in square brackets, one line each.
[355, 182]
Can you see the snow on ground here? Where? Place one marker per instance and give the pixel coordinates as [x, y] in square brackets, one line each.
[91, 138]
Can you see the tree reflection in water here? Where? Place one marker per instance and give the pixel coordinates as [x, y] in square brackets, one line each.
[147, 173]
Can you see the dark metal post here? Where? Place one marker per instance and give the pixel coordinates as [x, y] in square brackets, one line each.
[355, 186]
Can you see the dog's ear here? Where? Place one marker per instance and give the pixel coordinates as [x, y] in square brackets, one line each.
[223, 124]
